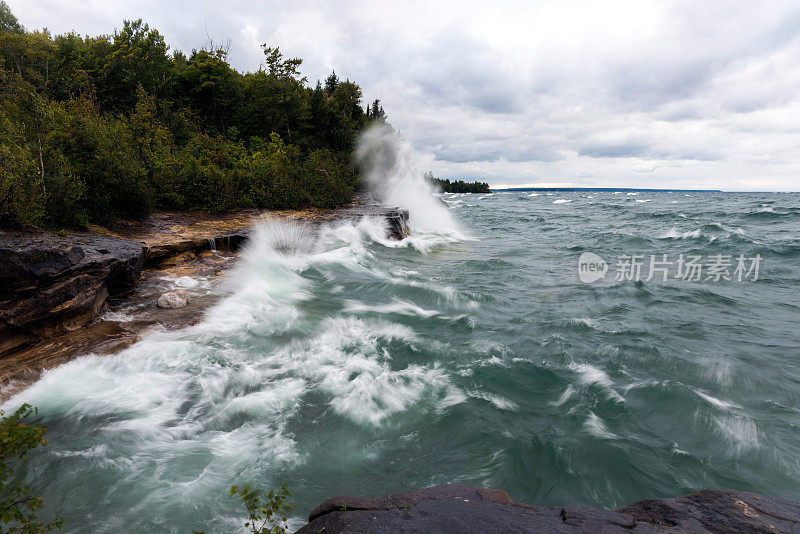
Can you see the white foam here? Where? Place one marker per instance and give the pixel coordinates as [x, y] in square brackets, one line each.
[498, 401]
[591, 375]
[186, 282]
[596, 427]
[490, 347]
[565, 396]
[397, 306]
[725, 405]
[674, 233]
[562, 201]
[118, 316]
[583, 321]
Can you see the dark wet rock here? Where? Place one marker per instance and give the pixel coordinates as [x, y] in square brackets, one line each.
[231, 242]
[173, 299]
[365, 205]
[161, 251]
[50, 284]
[461, 509]
[397, 221]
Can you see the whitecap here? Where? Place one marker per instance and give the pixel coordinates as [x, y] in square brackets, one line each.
[397, 306]
[596, 427]
[674, 233]
[591, 375]
[725, 405]
[583, 321]
[565, 396]
[490, 347]
[498, 401]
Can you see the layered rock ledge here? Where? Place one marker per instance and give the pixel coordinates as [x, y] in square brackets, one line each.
[50, 285]
[465, 509]
[53, 287]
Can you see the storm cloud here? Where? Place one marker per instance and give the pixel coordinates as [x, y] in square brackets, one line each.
[650, 94]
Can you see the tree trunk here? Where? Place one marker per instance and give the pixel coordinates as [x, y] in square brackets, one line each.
[41, 163]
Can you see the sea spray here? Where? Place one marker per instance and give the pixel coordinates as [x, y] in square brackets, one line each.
[388, 163]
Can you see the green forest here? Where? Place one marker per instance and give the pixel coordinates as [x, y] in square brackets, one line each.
[93, 129]
[457, 186]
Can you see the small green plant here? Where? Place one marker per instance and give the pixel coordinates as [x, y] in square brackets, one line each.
[18, 505]
[266, 516]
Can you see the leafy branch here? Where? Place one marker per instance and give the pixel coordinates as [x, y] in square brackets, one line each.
[266, 516]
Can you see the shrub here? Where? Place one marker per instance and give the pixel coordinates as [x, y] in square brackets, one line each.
[18, 505]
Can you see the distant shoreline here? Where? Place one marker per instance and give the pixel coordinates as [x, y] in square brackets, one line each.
[610, 189]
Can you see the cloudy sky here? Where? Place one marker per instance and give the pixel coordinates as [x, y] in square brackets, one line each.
[645, 94]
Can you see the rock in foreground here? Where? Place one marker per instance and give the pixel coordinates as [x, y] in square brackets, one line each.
[173, 299]
[460, 509]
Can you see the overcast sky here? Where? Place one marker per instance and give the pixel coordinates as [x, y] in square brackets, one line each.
[644, 94]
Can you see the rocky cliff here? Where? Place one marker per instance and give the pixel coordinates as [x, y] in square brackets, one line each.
[50, 285]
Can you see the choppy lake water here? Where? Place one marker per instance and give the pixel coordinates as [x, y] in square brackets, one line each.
[342, 363]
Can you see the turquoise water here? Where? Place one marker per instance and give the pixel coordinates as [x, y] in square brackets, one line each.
[342, 363]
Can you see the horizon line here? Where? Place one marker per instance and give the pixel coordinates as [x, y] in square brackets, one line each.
[633, 189]
[622, 189]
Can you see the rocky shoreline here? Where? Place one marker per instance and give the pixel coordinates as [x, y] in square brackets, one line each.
[54, 289]
[466, 509]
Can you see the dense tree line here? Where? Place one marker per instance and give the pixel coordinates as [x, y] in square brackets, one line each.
[457, 186]
[97, 128]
